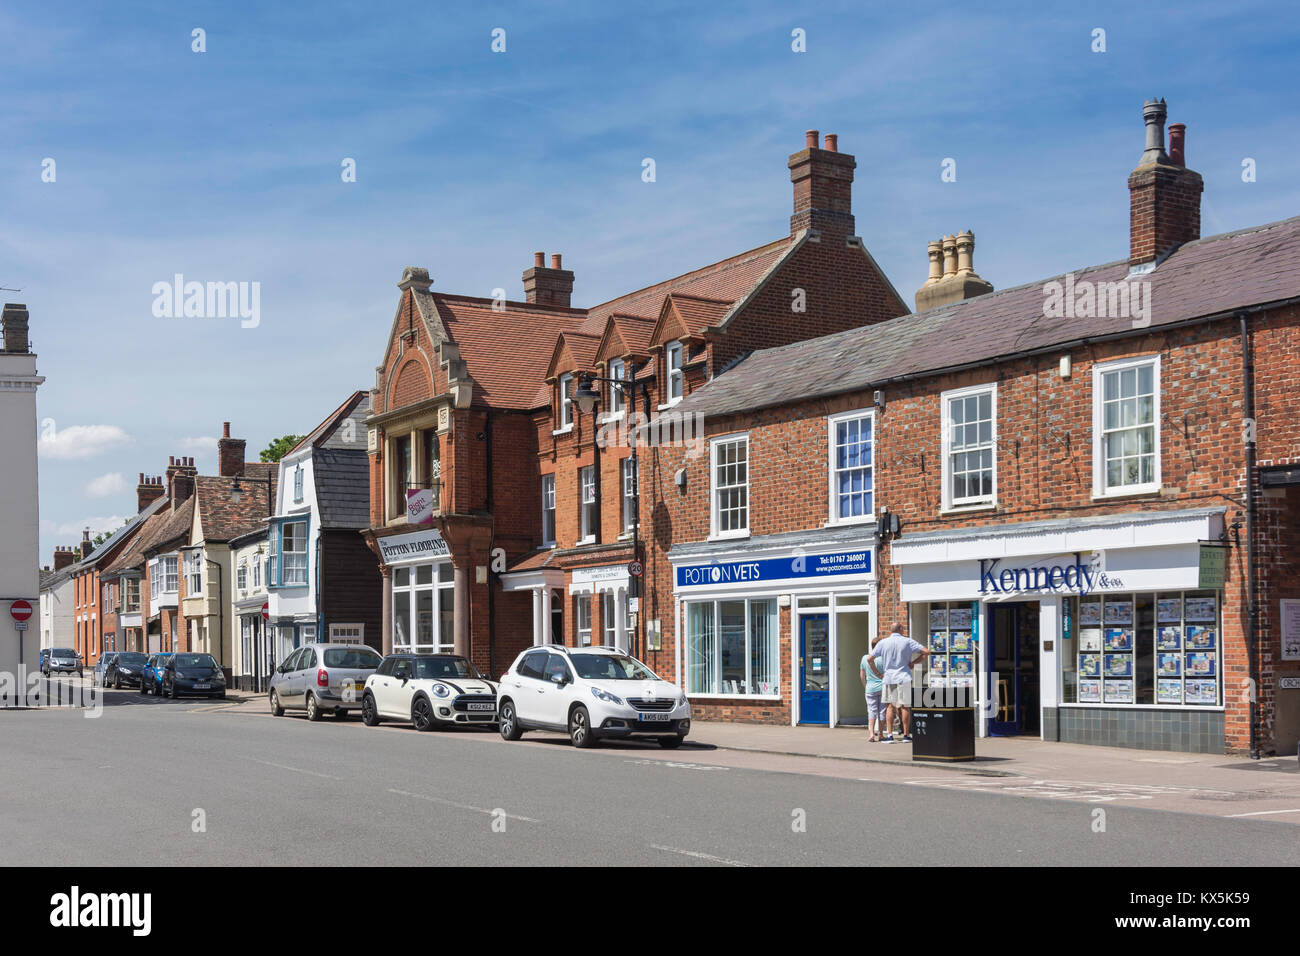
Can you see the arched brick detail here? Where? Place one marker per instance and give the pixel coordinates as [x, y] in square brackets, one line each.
[411, 384]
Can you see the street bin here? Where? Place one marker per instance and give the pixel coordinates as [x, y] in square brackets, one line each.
[943, 733]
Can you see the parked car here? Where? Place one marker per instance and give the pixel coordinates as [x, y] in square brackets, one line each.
[151, 674]
[590, 693]
[192, 675]
[43, 662]
[63, 660]
[101, 668]
[125, 669]
[322, 678]
[429, 690]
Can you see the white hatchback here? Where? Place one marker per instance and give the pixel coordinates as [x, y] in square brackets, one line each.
[590, 693]
[429, 690]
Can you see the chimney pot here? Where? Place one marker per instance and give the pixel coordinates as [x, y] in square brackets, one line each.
[556, 260]
[811, 138]
[957, 281]
[1177, 140]
[949, 256]
[14, 326]
[539, 259]
[832, 142]
[225, 429]
[935, 251]
[171, 461]
[543, 286]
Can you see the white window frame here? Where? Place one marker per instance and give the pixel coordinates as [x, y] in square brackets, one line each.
[715, 445]
[832, 483]
[609, 618]
[193, 570]
[285, 580]
[297, 483]
[588, 507]
[564, 414]
[629, 481]
[582, 605]
[548, 508]
[440, 581]
[1099, 371]
[347, 633]
[618, 370]
[241, 576]
[714, 687]
[674, 375]
[945, 418]
[171, 573]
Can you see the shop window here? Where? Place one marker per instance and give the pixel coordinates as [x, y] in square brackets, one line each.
[548, 511]
[1126, 433]
[1143, 649]
[850, 457]
[588, 516]
[423, 605]
[951, 628]
[582, 606]
[969, 446]
[731, 648]
[730, 493]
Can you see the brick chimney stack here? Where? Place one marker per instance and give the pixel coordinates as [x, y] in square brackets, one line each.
[230, 453]
[180, 480]
[63, 557]
[1164, 195]
[14, 323]
[87, 545]
[148, 491]
[543, 286]
[823, 188]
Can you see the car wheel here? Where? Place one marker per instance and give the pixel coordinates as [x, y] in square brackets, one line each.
[422, 715]
[369, 713]
[313, 709]
[508, 722]
[580, 728]
[276, 709]
[670, 743]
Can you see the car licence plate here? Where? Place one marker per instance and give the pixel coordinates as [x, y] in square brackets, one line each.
[482, 705]
[648, 716]
[202, 686]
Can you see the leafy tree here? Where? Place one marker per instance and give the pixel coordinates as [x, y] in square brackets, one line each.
[279, 447]
[103, 536]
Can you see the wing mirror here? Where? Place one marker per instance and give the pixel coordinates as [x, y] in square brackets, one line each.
[558, 680]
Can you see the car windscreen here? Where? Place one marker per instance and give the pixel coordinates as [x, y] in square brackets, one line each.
[133, 659]
[610, 667]
[63, 652]
[357, 657]
[195, 660]
[436, 668]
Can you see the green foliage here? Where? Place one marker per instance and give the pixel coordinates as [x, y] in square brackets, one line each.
[279, 447]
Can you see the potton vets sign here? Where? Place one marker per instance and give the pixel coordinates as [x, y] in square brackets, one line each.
[775, 569]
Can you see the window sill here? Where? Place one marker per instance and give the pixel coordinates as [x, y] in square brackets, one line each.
[589, 539]
[561, 431]
[968, 508]
[850, 522]
[670, 404]
[730, 536]
[612, 417]
[1142, 491]
[764, 698]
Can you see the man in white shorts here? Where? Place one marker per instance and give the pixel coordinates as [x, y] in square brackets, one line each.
[892, 660]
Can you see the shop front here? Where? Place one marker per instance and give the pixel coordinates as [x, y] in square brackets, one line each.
[1104, 630]
[775, 632]
[421, 592]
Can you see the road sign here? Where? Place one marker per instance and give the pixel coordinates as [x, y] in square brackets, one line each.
[20, 610]
[20, 625]
[266, 610]
[635, 568]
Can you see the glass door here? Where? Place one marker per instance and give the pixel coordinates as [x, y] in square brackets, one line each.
[814, 669]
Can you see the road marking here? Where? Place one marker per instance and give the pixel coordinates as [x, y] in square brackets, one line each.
[678, 764]
[699, 856]
[463, 806]
[312, 773]
[1074, 790]
[1263, 813]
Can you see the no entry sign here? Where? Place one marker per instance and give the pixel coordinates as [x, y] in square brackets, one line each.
[20, 610]
[266, 610]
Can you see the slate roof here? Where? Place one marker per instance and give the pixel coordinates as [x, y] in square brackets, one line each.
[328, 433]
[342, 477]
[1207, 277]
[222, 518]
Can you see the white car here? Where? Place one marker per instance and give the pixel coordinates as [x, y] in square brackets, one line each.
[590, 693]
[428, 690]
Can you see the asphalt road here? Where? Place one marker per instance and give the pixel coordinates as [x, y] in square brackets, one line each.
[160, 782]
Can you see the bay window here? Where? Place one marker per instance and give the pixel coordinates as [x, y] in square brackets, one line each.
[293, 553]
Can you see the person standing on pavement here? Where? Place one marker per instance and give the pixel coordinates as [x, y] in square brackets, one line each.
[872, 685]
[892, 660]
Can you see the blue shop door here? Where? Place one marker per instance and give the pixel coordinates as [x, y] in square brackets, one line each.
[815, 669]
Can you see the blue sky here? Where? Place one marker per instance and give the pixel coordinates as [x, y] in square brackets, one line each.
[225, 166]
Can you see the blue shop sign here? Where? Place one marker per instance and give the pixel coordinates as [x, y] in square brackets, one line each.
[764, 570]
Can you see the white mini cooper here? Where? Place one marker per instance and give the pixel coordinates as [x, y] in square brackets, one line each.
[428, 690]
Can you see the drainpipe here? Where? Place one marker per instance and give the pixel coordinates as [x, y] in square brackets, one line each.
[1252, 605]
[492, 591]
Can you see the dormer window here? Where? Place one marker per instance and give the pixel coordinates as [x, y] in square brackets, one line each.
[565, 415]
[617, 370]
[673, 361]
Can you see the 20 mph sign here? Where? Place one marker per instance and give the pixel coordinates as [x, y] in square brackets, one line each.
[20, 610]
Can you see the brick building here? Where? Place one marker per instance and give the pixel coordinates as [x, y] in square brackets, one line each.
[532, 502]
[1040, 482]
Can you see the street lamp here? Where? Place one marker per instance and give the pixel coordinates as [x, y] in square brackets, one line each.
[237, 492]
[586, 398]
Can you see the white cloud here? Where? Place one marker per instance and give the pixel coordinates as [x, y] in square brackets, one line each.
[198, 443]
[74, 528]
[106, 485]
[80, 441]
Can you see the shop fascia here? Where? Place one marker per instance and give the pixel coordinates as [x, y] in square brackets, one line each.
[796, 567]
[411, 548]
[1078, 577]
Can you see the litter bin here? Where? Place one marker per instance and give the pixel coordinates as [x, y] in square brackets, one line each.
[943, 733]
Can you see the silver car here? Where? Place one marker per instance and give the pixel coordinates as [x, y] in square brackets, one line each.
[320, 678]
[63, 659]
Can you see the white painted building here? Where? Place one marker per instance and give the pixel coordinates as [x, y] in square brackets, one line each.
[19, 503]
